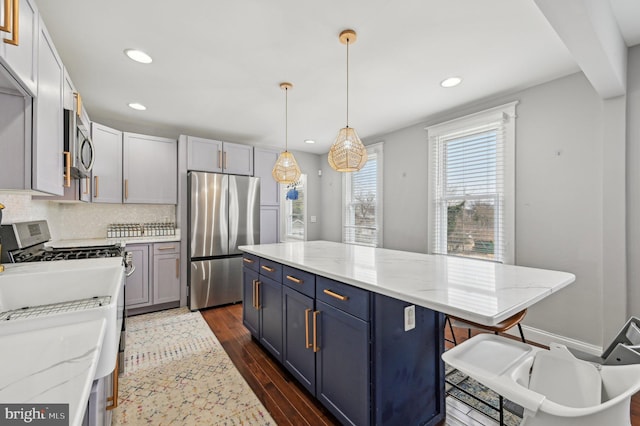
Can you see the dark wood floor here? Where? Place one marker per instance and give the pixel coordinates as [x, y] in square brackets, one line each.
[287, 402]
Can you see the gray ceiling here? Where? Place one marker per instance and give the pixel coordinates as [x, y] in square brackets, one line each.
[218, 63]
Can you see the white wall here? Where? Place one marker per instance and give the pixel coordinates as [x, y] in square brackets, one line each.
[560, 142]
[310, 164]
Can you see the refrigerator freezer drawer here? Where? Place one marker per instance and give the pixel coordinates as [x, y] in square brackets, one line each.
[215, 282]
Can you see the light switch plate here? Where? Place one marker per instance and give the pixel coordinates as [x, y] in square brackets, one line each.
[409, 317]
[314, 219]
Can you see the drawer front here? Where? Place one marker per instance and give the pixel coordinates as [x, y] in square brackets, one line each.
[301, 281]
[166, 248]
[352, 300]
[251, 261]
[271, 269]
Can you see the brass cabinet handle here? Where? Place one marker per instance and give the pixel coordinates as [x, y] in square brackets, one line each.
[307, 343]
[87, 183]
[114, 398]
[6, 25]
[177, 268]
[253, 297]
[266, 268]
[95, 183]
[167, 248]
[78, 104]
[126, 189]
[258, 294]
[294, 279]
[67, 169]
[15, 20]
[336, 295]
[219, 159]
[316, 348]
[249, 261]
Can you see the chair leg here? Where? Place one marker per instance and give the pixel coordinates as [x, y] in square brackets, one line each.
[453, 335]
[521, 333]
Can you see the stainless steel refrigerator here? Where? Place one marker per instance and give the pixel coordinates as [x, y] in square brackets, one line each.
[224, 213]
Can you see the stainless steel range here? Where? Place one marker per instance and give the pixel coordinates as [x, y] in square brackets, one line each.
[26, 242]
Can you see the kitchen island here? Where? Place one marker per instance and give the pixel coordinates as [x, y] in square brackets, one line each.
[362, 328]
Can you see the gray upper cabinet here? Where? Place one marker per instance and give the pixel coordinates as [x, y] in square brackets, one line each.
[269, 188]
[150, 169]
[20, 53]
[48, 139]
[107, 168]
[208, 155]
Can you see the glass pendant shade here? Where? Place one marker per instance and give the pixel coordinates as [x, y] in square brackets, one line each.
[347, 154]
[286, 169]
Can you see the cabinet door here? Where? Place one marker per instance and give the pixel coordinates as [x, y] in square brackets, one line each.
[270, 298]
[250, 312]
[297, 352]
[204, 155]
[107, 168]
[15, 137]
[137, 285]
[166, 278]
[265, 159]
[237, 159]
[22, 59]
[48, 139]
[342, 364]
[150, 169]
[269, 224]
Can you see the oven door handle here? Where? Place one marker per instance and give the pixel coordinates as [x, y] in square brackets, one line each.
[131, 271]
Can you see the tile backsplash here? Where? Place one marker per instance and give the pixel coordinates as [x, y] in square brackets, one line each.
[81, 220]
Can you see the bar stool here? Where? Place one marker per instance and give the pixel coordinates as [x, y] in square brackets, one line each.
[501, 327]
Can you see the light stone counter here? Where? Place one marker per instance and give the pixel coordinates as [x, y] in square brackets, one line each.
[50, 366]
[477, 290]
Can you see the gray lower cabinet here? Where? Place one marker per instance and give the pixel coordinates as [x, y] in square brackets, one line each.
[269, 224]
[155, 283]
[348, 346]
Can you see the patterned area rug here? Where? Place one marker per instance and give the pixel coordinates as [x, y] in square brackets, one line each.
[488, 398]
[177, 373]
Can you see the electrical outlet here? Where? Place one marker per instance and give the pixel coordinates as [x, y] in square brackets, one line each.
[409, 317]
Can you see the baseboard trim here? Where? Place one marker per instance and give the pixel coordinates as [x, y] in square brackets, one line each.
[545, 338]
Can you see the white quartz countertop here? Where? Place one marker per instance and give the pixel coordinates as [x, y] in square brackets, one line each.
[54, 365]
[479, 291]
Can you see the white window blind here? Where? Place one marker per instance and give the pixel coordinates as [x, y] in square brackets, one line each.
[362, 219]
[472, 185]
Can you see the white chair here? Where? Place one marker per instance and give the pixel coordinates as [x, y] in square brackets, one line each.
[554, 387]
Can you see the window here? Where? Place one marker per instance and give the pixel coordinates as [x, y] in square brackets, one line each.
[293, 206]
[362, 197]
[472, 185]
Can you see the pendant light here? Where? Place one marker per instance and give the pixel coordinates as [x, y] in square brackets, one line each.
[286, 169]
[347, 154]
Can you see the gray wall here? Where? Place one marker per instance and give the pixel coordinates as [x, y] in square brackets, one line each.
[561, 137]
[633, 180]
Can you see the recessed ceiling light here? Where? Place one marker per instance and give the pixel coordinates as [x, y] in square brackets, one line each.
[451, 82]
[138, 56]
[137, 106]
[309, 141]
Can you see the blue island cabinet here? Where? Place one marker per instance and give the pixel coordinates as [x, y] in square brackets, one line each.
[349, 348]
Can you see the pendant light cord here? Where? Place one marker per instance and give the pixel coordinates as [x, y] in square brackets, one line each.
[347, 82]
[286, 119]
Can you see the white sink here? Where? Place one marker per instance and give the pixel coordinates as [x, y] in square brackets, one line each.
[29, 285]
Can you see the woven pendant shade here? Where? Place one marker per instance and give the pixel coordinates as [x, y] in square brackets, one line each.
[347, 154]
[286, 169]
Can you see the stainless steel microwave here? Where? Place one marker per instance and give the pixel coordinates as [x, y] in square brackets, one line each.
[78, 145]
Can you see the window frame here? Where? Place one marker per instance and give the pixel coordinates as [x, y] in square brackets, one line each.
[378, 150]
[504, 117]
[284, 203]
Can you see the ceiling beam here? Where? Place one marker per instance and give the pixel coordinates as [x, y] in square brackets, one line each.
[590, 31]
